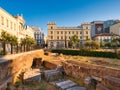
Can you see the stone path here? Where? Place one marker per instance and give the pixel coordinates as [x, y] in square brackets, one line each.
[68, 85]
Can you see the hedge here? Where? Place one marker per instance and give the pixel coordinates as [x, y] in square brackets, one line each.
[86, 53]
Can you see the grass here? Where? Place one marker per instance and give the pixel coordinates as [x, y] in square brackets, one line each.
[107, 62]
[113, 63]
[33, 85]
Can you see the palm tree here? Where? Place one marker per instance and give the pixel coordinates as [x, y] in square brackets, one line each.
[13, 42]
[28, 42]
[23, 43]
[5, 38]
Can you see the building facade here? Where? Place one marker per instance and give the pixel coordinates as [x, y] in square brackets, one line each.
[115, 29]
[14, 25]
[58, 37]
[38, 35]
[97, 27]
[102, 37]
[109, 23]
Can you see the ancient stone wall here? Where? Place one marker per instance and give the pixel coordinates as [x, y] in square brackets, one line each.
[49, 65]
[12, 65]
[108, 77]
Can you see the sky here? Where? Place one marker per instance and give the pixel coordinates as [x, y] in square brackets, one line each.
[63, 12]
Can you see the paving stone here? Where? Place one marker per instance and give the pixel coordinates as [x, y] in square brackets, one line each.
[77, 88]
[65, 84]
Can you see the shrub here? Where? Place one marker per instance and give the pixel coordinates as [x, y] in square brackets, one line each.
[87, 53]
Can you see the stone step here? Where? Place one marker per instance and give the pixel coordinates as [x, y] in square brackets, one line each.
[77, 88]
[66, 84]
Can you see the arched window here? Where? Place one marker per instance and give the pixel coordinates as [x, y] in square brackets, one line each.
[51, 27]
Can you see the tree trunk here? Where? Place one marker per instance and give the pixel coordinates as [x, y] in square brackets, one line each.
[24, 48]
[11, 49]
[4, 48]
[17, 49]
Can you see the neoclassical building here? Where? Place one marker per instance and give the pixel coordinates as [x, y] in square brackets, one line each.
[14, 25]
[58, 37]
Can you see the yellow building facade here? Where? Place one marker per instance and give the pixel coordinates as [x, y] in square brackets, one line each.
[59, 36]
[14, 25]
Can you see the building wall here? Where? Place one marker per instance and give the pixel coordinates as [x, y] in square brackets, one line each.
[58, 35]
[102, 38]
[14, 25]
[9, 23]
[38, 35]
[115, 29]
[94, 26]
[29, 32]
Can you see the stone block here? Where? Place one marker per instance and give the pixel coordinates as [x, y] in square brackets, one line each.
[52, 75]
[77, 88]
[65, 84]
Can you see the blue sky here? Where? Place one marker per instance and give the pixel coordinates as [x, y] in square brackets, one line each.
[63, 12]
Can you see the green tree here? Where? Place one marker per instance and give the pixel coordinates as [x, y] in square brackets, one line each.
[95, 44]
[92, 44]
[74, 40]
[88, 43]
[5, 39]
[13, 42]
[28, 42]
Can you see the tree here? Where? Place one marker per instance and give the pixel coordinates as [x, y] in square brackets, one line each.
[5, 38]
[88, 43]
[13, 42]
[95, 44]
[74, 40]
[92, 44]
[27, 42]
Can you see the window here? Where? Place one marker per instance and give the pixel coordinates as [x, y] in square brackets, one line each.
[86, 37]
[86, 27]
[51, 32]
[86, 32]
[51, 37]
[76, 32]
[61, 37]
[65, 32]
[81, 32]
[69, 37]
[14, 26]
[72, 32]
[69, 32]
[51, 27]
[80, 37]
[7, 22]
[57, 32]
[57, 37]
[11, 25]
[2, 20]
[61, 32]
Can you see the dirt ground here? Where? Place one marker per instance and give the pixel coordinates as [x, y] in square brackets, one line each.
[107, 62]
[33, 85]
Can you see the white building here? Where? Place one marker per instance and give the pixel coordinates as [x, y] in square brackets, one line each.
[102, 37]
[38, 35]
[14, 25]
